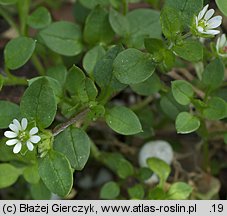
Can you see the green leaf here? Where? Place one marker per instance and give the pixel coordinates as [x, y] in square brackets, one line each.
[38, 103]
[31, 174]
[144, 173]
[143, 23]
[148, 87]
[58, 73]
[222, 6]
[213, 74]
[97, 27]
[9, 175]
[63, 38]
[75, 145]
[136, 192]
[186, 123]
[118, 164]
[189, 50]
[119, 23]
[53, 83]
[110, 190]
[92, 4]
[8, 112]
[18, 51]
[39, 191]
[170, 107]
[1, 82]
[154, 45]
[92, 57]
[40, 18]
[179, 191]
[146, 118]
[133, 66]
[75, 78]
[182, 91]
[123, 121]
[216, 109]
[187, 9]
[159, 167]
[7, 2]
[56, 173]
[171, 22]
[87, 91]
[103, 71]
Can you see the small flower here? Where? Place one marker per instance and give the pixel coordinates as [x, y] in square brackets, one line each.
[19, 135]
[221, 46]
[205, 25]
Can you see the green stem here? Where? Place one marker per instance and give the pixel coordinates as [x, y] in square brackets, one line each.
[15, 81]
[95, 151]
[23, 10]
[7, 17]
[125, 7]
[38, 65]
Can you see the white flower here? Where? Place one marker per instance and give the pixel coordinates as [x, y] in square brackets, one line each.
[204, 24]
[221, 46]
[19, 136]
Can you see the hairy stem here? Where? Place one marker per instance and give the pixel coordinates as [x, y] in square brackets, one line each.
[71, 121]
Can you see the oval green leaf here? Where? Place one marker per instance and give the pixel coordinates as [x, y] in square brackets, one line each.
[8, 111]
[216, 109]
[92, 57]
[222, 6]
[38, 103]
[74, 143]
[40, 18]
[56, 173]
[63, 38]
[186, 123]
[123, 121]
[159, 167]
[182, 91]
[18, 51]
[133, 66]
[110, 190]
[189, 50]
[179, 191]
[97, 27]
[9, 175]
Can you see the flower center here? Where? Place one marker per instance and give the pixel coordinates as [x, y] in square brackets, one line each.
[23, 136]
[203, 23]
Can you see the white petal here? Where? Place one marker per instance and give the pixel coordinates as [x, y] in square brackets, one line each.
[30, 146]
[35, 139]
[17, 148]
[209, 14]
[200, 29]
[17, 123]
[12, 142]
[10, 134]
[222, 41]
[24, 123]
[14, 128]
[214, 22]
[196, 21]
[202, 12]
[211, 32]
[218, 44]
[33, 131]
